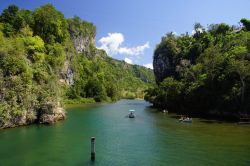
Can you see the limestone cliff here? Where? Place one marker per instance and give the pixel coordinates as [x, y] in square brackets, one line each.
[164, 64]
[82, 35]
[162, 67]
[166, 57]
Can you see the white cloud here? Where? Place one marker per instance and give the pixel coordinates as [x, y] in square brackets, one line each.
[128, 60]
[112, 44]
[149, 65]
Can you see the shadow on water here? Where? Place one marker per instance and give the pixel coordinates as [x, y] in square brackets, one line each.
[208, 119]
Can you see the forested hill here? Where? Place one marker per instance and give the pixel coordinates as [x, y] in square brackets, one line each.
[207, 72]
[46, 60]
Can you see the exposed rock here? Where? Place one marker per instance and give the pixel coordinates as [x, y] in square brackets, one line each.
[163, 66]
[25, 118]
[82, 43]
[82, 34]
[67, 73]
[69, 77]
[83, 39]
[51, 112]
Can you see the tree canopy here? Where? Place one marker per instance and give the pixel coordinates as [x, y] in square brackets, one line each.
[209, 70]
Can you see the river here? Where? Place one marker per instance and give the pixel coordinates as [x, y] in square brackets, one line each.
[151, 139]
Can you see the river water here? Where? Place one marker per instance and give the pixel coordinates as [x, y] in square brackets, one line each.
[151, 139]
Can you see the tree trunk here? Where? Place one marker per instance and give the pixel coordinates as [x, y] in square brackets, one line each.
[243, 88]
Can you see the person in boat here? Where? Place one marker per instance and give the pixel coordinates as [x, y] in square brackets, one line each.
[182, 118]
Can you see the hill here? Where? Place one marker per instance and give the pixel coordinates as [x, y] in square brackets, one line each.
[47, 60]
[206, 73]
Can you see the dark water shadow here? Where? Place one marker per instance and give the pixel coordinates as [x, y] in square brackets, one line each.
[208, 119]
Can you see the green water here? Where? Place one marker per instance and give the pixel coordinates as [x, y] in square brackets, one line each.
[152, 138]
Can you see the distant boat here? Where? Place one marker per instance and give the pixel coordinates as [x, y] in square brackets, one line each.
[164, 111]
[186, 119]
[131, 114]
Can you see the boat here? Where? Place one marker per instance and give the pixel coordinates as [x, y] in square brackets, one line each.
[164, 111]
[188, 120]
[185, 119]
[131, 114]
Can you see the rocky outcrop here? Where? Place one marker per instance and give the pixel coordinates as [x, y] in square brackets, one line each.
[163, 66]
[67, 73]
[50, 113]
[82, 35]
[10, 121]
[83, 43]
[166, 57]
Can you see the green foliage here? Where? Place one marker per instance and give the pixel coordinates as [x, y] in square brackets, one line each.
[55, 55]
[50, 24]
[210, 71]
[35, 48]
[108, 78]
[15, 19]
[246, 23]
[79, 101]
[94, 89]
[78, 27]
[9, 17]
[217, 29]
[38, 53]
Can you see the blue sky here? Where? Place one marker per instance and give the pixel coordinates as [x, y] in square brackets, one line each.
[131, 28]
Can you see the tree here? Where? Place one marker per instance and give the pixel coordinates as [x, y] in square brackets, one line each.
[246, 23]
[50, 24]
[241, 68]
[216, 29]
[94, 89]
[170, 92]
[198, 30]
[11, 20]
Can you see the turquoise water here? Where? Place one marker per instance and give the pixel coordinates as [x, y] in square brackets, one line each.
[152, 138]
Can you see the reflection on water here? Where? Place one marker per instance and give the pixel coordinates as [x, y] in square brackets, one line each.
[152, 138]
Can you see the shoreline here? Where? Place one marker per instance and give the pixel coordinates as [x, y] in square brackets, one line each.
[210, 116]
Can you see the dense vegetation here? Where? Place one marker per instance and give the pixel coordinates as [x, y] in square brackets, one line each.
[205, 73]
[46, 59]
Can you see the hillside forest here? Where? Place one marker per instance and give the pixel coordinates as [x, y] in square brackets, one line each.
[47, 61]
[206, 73]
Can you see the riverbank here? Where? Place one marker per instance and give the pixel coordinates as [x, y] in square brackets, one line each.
[48, 113]
[208, 115]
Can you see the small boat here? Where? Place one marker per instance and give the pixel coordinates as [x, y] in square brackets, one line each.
[164, 111]
[131, 114]
[185, 119]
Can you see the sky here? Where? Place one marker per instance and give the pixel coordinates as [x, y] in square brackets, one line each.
[130, 29]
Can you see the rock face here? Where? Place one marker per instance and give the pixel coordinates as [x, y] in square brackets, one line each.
[82, 35]
[50, 113]
[82, 43]
[67, 73]
[166, 57]
[163, 66]
[25, 118]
